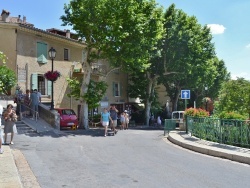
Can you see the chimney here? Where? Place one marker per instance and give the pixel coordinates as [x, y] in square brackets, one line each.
[5, 16]
[19, 18]
[24, 19]
[67, 33]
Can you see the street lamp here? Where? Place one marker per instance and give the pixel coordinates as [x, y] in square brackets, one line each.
[52, 55]
[206, 88]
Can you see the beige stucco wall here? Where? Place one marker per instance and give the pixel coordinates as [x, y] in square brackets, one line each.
[8, 44]
[26, 57]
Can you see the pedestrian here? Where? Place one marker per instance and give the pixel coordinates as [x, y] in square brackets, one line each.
[126, 119]
[1, 135]
[159, 121]
[113, 113]
[10, 118]
[105, 117]
[122, 120]
[34, 104]
[20, 100]
[27, 103]
[39, 95]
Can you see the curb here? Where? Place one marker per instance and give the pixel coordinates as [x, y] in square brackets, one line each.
[209, 150]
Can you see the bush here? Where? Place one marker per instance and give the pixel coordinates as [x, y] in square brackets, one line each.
[231, 115]
[196, 112]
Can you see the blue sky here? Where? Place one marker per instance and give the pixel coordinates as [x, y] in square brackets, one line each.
[228, 20]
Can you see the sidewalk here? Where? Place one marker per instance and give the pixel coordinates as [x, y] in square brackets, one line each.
[9, 176]
[233, 153]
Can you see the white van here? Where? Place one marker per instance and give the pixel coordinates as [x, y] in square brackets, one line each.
[178, 116]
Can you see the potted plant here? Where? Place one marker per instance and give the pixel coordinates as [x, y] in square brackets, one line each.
[52, 76]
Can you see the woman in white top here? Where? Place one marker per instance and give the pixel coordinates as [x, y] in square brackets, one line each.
[126, 119]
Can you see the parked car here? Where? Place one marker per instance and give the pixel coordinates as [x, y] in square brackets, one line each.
[68, 118]
[178, 116]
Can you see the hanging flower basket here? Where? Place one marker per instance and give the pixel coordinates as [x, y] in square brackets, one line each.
[52, 76]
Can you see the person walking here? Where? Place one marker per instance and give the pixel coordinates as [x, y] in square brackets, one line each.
[1, 135]
[105, 117]
[113, 113]
[10, 118]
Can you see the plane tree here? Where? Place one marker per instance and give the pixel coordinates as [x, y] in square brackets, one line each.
[122, 33]
[187, 51]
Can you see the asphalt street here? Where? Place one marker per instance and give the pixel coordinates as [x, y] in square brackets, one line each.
[132, 158]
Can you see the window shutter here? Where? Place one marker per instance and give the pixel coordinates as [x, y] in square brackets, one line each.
[49, 88]
[42, 52]
[34, 81]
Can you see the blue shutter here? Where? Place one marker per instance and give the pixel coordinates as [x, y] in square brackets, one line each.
[34, 81]
[49, 87]
[42, 52]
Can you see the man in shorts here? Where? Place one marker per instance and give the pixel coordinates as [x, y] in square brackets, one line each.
[113, 114]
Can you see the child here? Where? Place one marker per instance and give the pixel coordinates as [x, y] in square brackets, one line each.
[122, 119]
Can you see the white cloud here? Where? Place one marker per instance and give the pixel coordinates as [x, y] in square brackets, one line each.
[241, 75]
[216, 28]
[248, 46]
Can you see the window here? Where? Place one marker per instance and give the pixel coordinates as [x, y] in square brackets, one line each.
[116, 89]
[41, 84]
[42, 52]
[66, 54]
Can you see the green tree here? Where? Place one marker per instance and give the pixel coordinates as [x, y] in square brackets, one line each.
[96, 91]
[122, 32]
[187, 51]
[234, 97]
[7, 76]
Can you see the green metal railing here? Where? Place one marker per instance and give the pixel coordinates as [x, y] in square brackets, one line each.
[169, 125]
[231, 132]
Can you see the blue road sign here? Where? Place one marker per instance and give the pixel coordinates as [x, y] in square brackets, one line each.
[185, 94]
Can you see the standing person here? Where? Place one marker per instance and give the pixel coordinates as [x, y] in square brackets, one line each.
[1, 136]
[105, 117]
[113, 113]
[126, 119]
[20, 99]
[39, 95]
[27, 102]
[34, 103]
[10, 118]
[159, 120]
[122, 119]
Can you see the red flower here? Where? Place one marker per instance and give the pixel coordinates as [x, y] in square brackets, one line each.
[52, 76]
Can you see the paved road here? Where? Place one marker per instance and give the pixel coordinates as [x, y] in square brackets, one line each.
[132, 158]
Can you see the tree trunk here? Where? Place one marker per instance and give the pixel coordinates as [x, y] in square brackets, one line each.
[148, 102]
[84, 123]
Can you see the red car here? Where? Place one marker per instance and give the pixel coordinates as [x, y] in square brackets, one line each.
[68, 118]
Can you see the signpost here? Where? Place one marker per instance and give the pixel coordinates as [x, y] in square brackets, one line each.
[185, 94]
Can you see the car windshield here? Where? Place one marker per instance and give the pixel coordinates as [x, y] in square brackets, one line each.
[68, 112]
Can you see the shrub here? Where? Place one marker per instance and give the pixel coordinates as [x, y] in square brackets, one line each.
[231, 115]
[196, 112]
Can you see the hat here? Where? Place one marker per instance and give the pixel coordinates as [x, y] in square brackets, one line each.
[125, 111]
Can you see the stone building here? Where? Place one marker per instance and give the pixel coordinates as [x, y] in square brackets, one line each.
[27, 50]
